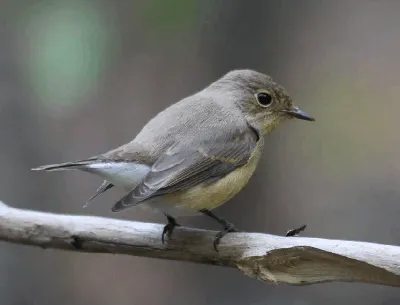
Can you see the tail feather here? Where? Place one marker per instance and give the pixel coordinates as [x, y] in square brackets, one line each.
[103, 188]
[64, 166]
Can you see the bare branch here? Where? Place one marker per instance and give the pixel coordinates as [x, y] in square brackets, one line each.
[269, 258]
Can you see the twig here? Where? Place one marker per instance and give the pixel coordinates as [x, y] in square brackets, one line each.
[269, 258]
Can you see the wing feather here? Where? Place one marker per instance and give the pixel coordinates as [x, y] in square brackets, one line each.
[183, 167]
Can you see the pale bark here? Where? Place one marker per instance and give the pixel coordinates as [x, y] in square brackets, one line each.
[272, 259]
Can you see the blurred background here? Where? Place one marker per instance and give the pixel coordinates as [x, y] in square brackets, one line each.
[80, 77]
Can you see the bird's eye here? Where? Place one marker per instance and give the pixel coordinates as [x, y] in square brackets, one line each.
[264, 99]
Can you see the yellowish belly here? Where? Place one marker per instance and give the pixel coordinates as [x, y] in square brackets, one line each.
[209, 196]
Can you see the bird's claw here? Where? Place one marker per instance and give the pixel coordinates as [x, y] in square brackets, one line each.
[169, 228]
[229, 228]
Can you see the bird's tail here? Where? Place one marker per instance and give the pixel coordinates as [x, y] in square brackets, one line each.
[64, 166]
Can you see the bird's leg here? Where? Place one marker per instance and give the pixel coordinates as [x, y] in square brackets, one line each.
[228, 226]
[295, 232]
[169, 227]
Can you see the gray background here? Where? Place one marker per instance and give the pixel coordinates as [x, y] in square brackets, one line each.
[80, 77]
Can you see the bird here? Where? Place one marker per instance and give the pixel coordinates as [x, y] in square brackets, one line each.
[196, 154]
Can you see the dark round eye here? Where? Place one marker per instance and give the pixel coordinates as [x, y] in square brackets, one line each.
[264, 99]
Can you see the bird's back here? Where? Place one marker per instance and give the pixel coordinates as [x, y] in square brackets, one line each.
[187, 122]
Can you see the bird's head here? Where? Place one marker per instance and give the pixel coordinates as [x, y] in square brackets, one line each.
[263, 102]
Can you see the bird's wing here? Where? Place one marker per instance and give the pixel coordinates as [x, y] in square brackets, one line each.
[181, 167]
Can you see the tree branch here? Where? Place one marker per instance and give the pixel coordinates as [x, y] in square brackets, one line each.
[269, 258]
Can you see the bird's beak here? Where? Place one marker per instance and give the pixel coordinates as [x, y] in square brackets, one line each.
[298, 114]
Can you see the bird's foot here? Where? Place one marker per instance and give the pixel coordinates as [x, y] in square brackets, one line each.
[295, 232]
[228, 228]
[169, 227]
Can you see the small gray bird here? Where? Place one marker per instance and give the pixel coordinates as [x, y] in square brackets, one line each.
[198, 153]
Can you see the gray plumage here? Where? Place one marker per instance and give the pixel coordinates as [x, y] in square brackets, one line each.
[105, 186]
[195, 142]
